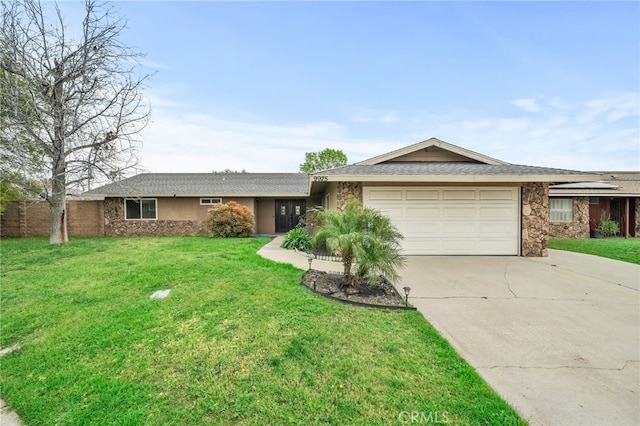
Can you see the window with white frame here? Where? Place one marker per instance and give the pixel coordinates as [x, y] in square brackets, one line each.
[561, 209]
[140, 208]
[210, 201]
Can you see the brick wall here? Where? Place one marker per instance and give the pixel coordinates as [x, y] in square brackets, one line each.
[31, 219]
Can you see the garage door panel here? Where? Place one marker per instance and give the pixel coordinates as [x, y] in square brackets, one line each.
[379, 194]
[419, 194]
[497, 246]
[459, 211]
[448, 194]
[450, 220]
[498, 194]
[422, 212]
[390, 211]
[420, 229]
[457, 228]
[490, 229]
[498, 212]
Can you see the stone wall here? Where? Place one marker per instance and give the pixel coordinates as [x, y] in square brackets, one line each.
[637, 202]
[31, 219]
[579, 227]
[347, 190]
[116, 225]
[535, 219]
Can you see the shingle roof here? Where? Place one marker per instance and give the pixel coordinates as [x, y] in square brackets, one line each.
[207, 184]
[447, 168]
[613, 184]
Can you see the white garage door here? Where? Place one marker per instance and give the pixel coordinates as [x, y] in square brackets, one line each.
[451, 220]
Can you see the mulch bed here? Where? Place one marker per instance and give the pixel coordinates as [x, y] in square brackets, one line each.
[381, 294]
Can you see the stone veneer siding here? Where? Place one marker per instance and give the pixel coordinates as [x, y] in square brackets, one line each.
[535, 219]
[637, 202]
[579, 227]
[116, 225]
[347, 190]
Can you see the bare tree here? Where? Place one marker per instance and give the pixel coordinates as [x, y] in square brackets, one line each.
[71, 101]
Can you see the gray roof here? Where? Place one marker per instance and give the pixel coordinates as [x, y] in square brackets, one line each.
[447, 168]
[613, 184]
[207, 184]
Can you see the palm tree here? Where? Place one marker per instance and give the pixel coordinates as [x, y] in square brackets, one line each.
[363, 236]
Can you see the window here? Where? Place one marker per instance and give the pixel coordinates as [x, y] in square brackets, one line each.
[210, 201]
[561, 209]
[594, 200]
[141, 208]
[327, 197]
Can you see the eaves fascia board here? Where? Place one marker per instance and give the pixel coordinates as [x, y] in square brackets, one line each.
[593, 194]
[208, 194]
[461, 178]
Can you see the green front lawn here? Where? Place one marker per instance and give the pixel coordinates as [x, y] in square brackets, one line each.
[237, 341]
[627, 250]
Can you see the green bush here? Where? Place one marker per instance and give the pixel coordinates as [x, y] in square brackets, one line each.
[230, 220]
[608, 227]
[298, 239]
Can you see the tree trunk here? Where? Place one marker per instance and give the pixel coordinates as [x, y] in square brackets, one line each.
[346, 262]
[58, 204]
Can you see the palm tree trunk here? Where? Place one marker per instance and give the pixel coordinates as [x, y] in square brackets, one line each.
[346, 262]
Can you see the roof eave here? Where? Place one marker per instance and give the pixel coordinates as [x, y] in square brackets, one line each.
[595, 193]
[234, 195]
[463, 178]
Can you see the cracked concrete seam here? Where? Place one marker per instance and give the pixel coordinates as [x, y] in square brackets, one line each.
[506, 267]
[561, 367]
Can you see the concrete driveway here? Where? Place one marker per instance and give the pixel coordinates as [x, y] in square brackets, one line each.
[557, 337]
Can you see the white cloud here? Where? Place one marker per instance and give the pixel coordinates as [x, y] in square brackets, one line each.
[527, 104]
[202, 143]
[592, 135]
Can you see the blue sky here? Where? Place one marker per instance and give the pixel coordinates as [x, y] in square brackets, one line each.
[255, 85]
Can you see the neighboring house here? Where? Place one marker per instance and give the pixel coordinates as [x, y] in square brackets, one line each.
[576, 208]
[177, 203]
[443, 198]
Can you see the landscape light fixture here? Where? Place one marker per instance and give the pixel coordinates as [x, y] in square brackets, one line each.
[406, 295]
[310, 259]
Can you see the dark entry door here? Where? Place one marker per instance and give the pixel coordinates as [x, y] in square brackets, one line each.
[288, 213]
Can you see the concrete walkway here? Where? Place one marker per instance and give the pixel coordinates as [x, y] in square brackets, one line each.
[556, 337]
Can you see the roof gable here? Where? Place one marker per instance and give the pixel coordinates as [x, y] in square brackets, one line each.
[431, 150]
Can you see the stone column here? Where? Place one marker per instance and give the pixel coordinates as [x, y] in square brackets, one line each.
[535, 219]
[346, 191]
[637, 224]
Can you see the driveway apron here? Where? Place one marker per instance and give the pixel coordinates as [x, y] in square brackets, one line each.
[556, 337]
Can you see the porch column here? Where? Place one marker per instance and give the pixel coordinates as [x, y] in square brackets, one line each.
[626, 217]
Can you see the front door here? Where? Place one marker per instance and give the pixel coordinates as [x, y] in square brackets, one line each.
[288, 214]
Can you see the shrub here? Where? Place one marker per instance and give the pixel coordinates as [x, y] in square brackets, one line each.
[607, 227]
[363, 236]
[297, 238]
[230, 220]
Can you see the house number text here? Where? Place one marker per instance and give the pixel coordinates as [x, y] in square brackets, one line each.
[321, 178]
